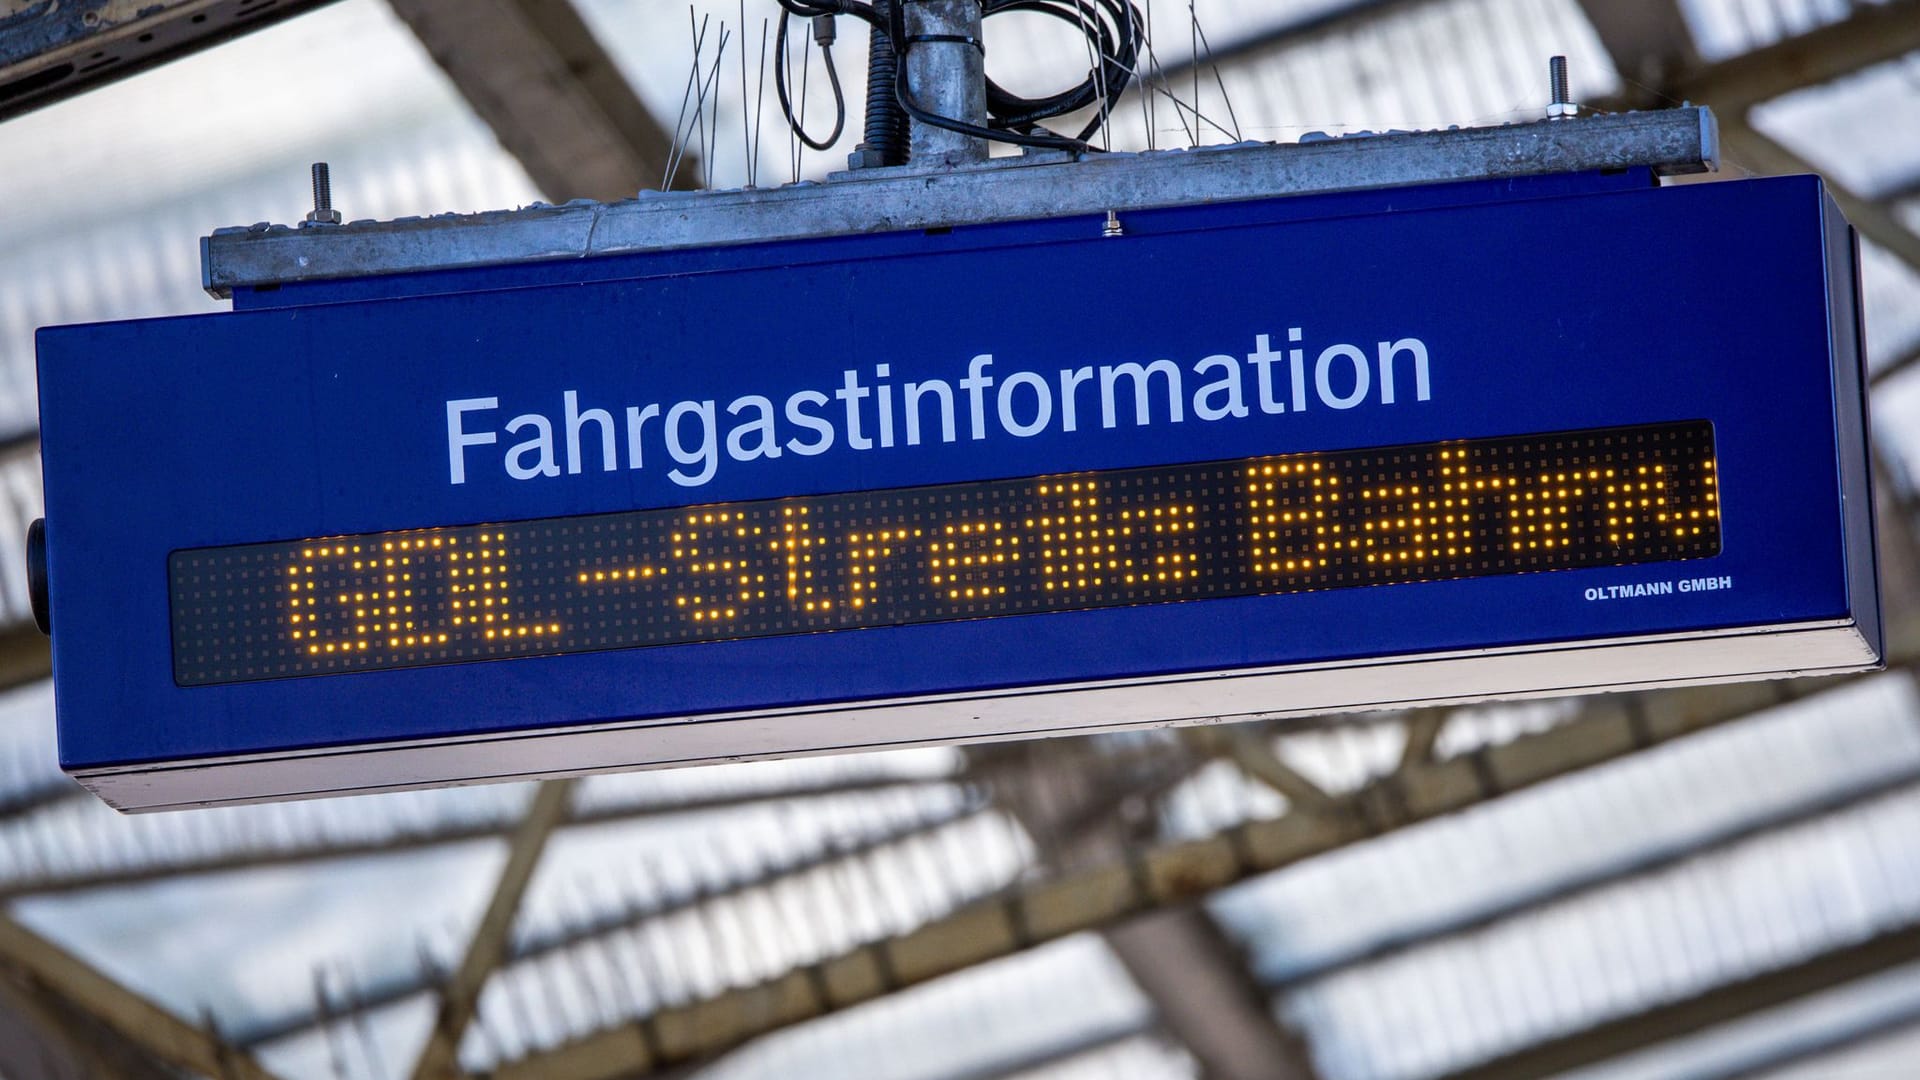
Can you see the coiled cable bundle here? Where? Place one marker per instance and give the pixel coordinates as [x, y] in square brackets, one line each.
[1113, 29]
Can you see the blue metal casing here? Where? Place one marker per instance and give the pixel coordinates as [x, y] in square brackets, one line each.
[1546, 306]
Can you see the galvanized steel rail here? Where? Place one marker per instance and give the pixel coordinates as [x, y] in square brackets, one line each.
[1036, 186]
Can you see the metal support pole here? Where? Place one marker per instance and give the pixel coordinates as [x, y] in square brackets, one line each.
[946, 76]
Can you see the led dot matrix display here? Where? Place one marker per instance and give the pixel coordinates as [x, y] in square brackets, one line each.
[1259, 526]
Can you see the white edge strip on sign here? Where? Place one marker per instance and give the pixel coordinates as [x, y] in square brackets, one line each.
[1747, 653]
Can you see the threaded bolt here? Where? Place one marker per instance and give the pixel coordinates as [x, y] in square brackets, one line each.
[323, 211]
[1562, 105]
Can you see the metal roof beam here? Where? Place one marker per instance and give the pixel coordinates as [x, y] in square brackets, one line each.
[1253, 751]
[49, 52]
[1649, 42]
[1107, 894]
[1066, 793]
[1423, 734]
[1876, 221]
[25, 800]
[1198, 982]
[44, 1038]
[1895, 366]
[367, 999]
[1872, 34]
[1626, 1034]
[460, 998]
[534, 72]
[133, 1018]
[1902, 191]
[1899, 555]
[251, 858]
[1143, 881]
[25, 656]
[1288, 34]
[1862, 1028]
[1640, 864]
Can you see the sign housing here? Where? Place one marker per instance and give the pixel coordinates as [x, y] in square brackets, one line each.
[665, 508]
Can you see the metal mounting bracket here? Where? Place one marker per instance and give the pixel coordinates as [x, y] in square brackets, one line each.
[1672, 141]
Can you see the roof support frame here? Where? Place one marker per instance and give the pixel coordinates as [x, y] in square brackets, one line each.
[1143, 880]
[72, 981]
[1203, 993]
[100, 876]
[1732, 88]
[460, 997]
[1731, 1001]
[50, 52]
[550, 91]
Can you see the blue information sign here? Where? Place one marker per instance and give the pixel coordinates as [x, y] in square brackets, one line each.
[1265, 458]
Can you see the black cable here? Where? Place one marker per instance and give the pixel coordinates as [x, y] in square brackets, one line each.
[808, 9]
[898, 29]
[833, 76]
[1115, 30]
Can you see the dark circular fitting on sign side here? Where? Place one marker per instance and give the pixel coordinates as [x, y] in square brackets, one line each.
[37, 573]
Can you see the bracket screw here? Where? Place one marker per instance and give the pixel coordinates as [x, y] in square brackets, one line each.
[1562, 105]
[1113, 226]
[323, 211]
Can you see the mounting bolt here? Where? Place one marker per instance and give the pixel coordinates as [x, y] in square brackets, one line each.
[1562, 105]
[323, 211]
[1113, 226]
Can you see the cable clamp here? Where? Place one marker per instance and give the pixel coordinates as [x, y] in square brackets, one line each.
[950, 39]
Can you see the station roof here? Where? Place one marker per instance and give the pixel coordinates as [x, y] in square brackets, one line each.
[1719, 889]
